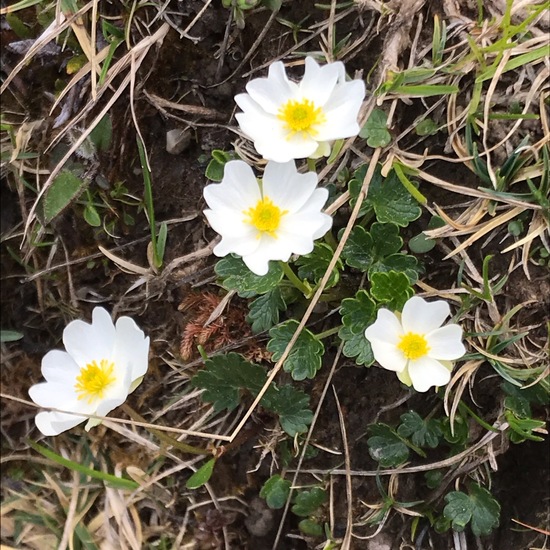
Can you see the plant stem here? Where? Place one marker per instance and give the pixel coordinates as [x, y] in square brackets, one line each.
[295, 280]
[329, 332]
[465, 409]
[184, 447]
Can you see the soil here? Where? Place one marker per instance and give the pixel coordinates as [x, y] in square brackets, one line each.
[189, 73]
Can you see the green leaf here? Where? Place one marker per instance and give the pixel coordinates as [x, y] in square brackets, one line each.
[460, 434]
[310, 528]
[264, 310]
[102, 135]
[273, 5]
[214, 170]
[161, 242]
[479, 508]
[426, 127]
[363, 249]
[275, 491]
[202, 475]
[357, 347]
[458, 509]
[391, 289]
[313, 266]
[375, 130]
[91, 215]
[433, 478]
[357, 314]
[377, 251]
[485, 510]
[65, 188]
[10, 336]
[236, 276]
[224, 376]
[386, 447]
[420, 244]
[423, 433]
[18, 27]
[305, 358]
[291, 405]
[307, 502]
[387, 196]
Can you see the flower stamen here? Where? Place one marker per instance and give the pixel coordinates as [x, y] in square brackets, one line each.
[265, 217]
[301, 117]
[414, 346]
[94, 379]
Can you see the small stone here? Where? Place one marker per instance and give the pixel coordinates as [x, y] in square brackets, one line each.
[177, 141]
[261, 519]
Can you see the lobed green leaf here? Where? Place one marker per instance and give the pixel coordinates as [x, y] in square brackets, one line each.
[305, 358]
[236, 276]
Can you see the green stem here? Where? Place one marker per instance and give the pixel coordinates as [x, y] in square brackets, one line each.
[311, 164]
[465, 409]
[328, 332]
[295, 280]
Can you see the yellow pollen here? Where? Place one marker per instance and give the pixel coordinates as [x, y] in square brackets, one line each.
[413, 346]
[301, 116]
[94, 379]
[265, 216]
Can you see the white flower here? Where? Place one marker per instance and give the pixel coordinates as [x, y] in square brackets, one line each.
[288, 120]
[269, 220]
[416, 346]
[101, 366]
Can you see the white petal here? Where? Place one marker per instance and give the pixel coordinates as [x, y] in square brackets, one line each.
[259, 125]
[386, 329]
[107, 405]
[446, 343]
[238, 190]
[257, 263]
[318, 82]
[54, 394]
[388, 356]
[287, 188]
[310, 226]
[275, 90]
[283, 148]
[131, 348]
[269, 248]
[50, 423]
[421, 317]
[342, 111]
[59, 366]
[86, 343]
[316, 202]
[426, 372]
[241, 246]
[230, 223]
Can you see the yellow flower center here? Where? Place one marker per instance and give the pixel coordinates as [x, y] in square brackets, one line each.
[413, 346]
[265, 216]
[301, 116]
[94, 379]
